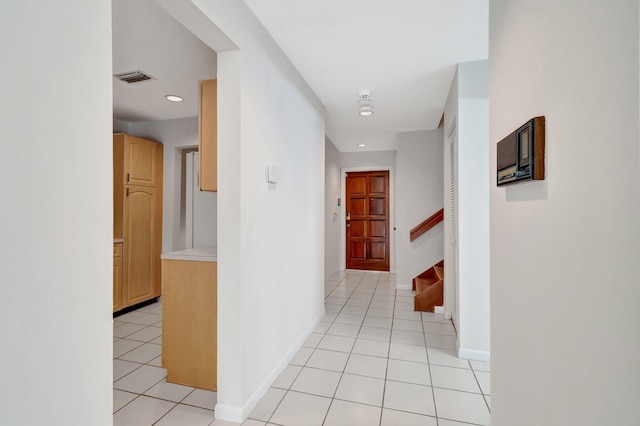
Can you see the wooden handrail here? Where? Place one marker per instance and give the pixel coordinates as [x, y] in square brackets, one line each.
[429, 223]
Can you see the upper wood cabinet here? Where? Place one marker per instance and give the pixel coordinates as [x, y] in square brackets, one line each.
[208, 135]
[140, 165]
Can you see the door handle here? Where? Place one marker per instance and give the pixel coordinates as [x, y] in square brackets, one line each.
[348, 225]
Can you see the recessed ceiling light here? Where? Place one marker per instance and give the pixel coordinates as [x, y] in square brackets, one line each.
[365, 111]
[362, 145]
[174, 98]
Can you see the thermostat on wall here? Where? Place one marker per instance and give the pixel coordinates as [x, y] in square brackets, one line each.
[520, 155]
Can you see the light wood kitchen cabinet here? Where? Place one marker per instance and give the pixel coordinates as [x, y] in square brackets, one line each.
[189, 328]
[137, 216]
[140, 161]
[118, 267]
[208, 135]
[141, 276]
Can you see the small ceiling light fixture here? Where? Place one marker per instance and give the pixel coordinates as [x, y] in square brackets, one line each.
[362, 145]
[174, 98]
[365, 103]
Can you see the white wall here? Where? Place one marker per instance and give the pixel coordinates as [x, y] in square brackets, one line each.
[368, 159]
[175, 135]
[564, 251]
[473, 211]
[120, 126]
[271, 236]
[332, 221]
[468, 109]
[56, 224]
[419, 180]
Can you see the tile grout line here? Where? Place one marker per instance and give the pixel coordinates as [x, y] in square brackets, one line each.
[164, 415]
[484, 397]
[386, 372]
[348, 357]
[433, 394]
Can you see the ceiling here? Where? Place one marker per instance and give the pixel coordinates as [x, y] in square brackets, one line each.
[147, 39]
[403, 51]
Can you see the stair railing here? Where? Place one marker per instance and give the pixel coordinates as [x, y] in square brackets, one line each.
[426, 225]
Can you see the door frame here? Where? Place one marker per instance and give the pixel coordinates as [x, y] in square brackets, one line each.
[343, 215]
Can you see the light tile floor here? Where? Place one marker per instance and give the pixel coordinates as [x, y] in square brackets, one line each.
[371, 361]
[141, 394]
[374, 361]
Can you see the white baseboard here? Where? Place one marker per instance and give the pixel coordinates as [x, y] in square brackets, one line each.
[439, 310]
[228, 413]
[404, 287]
[237, 414]
[327, 276]
[474, 355]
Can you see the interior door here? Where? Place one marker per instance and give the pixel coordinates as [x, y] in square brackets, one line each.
[367, 220]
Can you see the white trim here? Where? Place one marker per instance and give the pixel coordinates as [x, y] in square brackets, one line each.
[439, 310]
[474, 355]
[190, 162]
[343, 222]
[239, 414]
[453, 125]
[228, 413]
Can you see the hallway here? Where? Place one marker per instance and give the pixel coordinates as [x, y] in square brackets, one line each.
[373, 361]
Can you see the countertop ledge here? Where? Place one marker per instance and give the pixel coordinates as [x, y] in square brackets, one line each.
[201, 254]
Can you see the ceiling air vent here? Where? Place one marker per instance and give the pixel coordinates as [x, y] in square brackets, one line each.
[132, 76]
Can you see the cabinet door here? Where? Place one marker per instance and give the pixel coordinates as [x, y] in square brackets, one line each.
[140, 162]
[141, 256]
[190, 327]
[117, 283]
[208, 146]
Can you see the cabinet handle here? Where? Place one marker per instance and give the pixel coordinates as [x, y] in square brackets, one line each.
[127, 192]
[127, 177]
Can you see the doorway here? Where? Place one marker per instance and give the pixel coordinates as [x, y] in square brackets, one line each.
[367, 220]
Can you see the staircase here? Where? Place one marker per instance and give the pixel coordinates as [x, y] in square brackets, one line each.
[429, 288]
[429, 285]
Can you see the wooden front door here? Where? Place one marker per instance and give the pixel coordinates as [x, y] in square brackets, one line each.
[367, 221]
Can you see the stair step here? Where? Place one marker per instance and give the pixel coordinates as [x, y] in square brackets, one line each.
[429, 288]
[429, 298]
[439, 271]
[424, 283]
